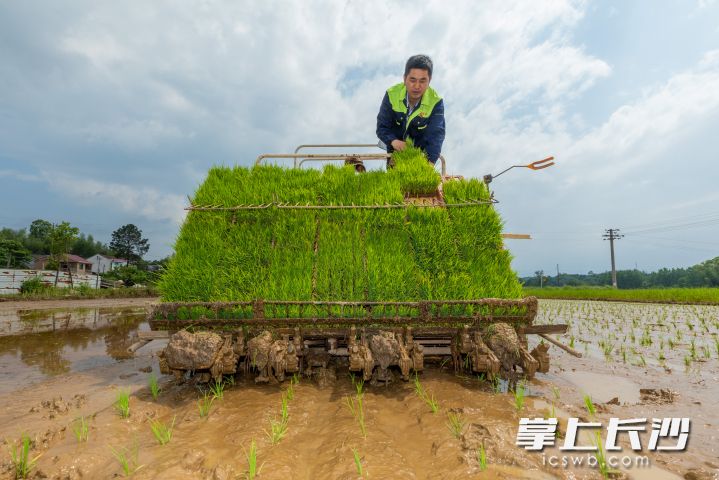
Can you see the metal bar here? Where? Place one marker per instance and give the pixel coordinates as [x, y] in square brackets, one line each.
[567, 349]
[323, 156]
[282, 206]
[335, 145]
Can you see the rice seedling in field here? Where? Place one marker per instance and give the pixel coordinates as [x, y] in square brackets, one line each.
[80, 428]
[284, 410]
[128, 459]
[358, 462]
[20, 457]
[277, 431]
[204, 404]
[217, 388]
[604, 469]
[252, 469]
[481, 458]
[154, 387]
[356, 408]
[162, 432]
[425, 396]
[455, 424]
[520, 393]
[122, 403]
[589, 405]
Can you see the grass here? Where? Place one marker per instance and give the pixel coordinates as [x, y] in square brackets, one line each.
[162, 432]
[20, 457]
[520, 394]
[654, 295]
[80, 428]
[128, 459]
[455, 424]
[404, 254]
[358, 462]
[154, 387]
[252, 469]
[426, 396]
[122, 403]
[56, 293]
[204, 404]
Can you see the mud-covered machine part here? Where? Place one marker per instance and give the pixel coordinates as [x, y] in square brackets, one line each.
[276, 339]
[376, 340]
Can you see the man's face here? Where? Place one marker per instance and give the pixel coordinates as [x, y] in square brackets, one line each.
[416, 81]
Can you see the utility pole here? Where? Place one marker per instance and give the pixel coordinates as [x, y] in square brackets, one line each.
[611, 235]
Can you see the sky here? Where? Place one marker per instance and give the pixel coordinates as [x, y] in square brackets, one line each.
[113, 112]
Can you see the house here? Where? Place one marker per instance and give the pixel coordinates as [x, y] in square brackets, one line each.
[68, 263]
[103, 263]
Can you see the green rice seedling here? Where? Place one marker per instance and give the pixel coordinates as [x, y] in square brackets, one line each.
[217, 388]
[162, 432]
[604, 469]
[204, 404]
[290, 392]
[693, 350]
[154, 387]
[556, 392]
[128, 459]
[687, 361]
[496, 383]
[295, 380]
[20, 457]
[707, 353]
[359, 385]
[425, 396]
[252, 469]
[481, 458]
[358, 462]
[356, 408]
[80, 428]
[519, 396]
[122, 403]
[278, 430]
[455, 424]
[661, 356]
[284, 410]
[571, 341]
[589, 405]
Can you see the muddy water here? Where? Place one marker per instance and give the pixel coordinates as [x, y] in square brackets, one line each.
[36, 344]
[404, 439]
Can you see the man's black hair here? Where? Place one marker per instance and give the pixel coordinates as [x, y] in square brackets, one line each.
[422, 62]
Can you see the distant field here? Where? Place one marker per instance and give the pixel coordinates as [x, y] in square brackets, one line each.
[659, 295]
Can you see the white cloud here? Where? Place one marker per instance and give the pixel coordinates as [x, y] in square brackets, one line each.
[140, 200]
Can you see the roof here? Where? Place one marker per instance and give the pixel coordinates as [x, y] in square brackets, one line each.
[113, 259]
[69, 258]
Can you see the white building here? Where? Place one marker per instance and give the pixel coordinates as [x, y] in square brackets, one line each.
[102, 263]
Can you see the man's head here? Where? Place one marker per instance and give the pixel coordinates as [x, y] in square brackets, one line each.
[417, 75]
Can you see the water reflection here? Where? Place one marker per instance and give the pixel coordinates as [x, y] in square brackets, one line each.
[53, 342]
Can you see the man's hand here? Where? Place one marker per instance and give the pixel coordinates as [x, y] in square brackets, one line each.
[399, 145]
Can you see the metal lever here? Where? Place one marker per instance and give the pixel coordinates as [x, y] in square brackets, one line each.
[538, 165]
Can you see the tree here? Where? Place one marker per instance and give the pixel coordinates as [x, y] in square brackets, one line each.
[40, 229]
[86, 247]
[540, 275]
[13, 254]
[61, 237]
[127, 242]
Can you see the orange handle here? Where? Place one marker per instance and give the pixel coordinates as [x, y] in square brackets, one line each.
[540, 164]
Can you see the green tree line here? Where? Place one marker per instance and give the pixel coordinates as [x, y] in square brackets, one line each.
[45, 238]
[705, 274]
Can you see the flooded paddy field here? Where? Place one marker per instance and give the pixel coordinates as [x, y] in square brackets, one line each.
[58, 365]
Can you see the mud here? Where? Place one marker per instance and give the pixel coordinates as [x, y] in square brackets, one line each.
[404, 438]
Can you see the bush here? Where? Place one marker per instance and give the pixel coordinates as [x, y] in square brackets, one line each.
[33, 285]
[130, 275]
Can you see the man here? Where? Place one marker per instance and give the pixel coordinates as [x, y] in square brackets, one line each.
[413, 110]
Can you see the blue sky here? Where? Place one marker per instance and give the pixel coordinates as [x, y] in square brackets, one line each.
[112, 113]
